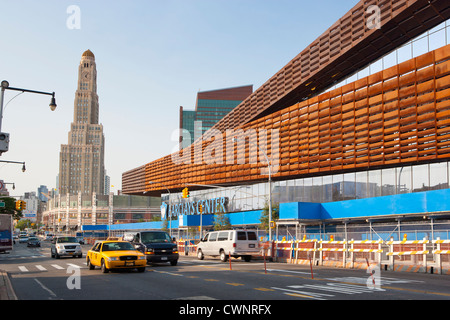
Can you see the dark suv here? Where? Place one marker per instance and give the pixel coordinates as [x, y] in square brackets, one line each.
[156, 245]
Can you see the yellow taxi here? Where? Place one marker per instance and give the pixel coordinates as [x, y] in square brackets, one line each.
[115, 254]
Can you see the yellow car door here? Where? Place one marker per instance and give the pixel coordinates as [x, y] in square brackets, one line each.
[96, 255]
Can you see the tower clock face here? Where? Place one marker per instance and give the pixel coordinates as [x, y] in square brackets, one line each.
[86, 75]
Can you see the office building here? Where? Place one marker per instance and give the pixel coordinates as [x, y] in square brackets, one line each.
[81, 166]
[210, 107]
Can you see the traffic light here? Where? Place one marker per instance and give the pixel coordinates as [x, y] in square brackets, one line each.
[18, 205]
[200, 208]
[24, 205]
[185, 193]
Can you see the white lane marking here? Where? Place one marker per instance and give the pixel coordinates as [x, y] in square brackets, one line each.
[289, 271]
[40, 267]
[23, 269]
[45, 288]
[57, 267]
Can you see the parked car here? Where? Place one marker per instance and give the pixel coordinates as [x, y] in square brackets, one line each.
[65, 246]
[33, 242]
[23, 238]
[156, 245]
[114, 254]
[235, 243]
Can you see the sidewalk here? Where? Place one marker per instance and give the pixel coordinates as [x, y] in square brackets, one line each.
[6, 290]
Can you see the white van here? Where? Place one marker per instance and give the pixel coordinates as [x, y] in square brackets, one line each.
[237, 243]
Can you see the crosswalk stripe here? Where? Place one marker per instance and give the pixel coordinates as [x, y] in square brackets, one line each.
[23, 269]
[57, 266]
[40, 267]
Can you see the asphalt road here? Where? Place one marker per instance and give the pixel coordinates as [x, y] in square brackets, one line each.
[36, 276]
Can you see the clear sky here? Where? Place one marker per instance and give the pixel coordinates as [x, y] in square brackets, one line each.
[152, 57]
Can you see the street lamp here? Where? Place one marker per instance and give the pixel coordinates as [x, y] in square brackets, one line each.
[235, 139]
[23, 164]
[5, 86]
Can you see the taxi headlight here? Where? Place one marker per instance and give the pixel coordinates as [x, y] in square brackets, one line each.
[141, 258]
[113, 258]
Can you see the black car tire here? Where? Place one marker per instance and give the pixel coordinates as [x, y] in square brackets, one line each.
[89, 264]
[223, 256]
[200, 255]
[104, 268]
[173, 262]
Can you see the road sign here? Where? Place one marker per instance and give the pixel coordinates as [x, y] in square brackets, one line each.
[2, 204]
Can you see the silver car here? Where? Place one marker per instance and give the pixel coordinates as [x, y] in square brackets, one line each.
[65, 246]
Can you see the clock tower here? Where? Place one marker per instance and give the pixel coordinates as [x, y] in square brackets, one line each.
[81, 165]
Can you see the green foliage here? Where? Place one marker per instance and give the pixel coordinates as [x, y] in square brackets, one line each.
[221, 222]
[23, 224]
[264, 220]
[10, 208]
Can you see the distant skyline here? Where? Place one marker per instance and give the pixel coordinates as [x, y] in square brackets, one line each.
[152, 57]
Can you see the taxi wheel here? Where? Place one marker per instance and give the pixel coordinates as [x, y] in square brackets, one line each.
[90, 265]
[104, 268]
[141, 269]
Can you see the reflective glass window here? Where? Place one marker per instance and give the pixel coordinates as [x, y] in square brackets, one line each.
[307, 190]
[349, 186]
[317, 189]
[403, 179]
[327, 188]
[338, 180]
[361, 185]
[388, 182]
[421, 180]
[438, 176]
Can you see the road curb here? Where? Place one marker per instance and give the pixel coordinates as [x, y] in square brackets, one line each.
[6, 289]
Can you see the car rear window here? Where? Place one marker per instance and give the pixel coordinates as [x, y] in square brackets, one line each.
[251, 235]
[242, 235]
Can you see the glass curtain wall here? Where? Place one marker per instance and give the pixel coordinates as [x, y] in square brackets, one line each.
[337, 187]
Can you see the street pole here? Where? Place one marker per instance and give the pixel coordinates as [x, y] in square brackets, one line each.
[5, 85]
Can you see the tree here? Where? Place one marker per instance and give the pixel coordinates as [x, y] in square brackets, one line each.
[23, 224]
[221, 222]
[265, 215]
[10, 208]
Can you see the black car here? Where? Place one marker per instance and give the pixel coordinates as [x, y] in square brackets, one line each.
[33, 242]
[156, 245]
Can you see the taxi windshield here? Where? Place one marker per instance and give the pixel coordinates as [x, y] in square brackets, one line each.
[149, 237]
[117, 246]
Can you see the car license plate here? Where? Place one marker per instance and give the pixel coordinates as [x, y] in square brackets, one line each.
[163, 258]
[251, 245]
[129, 263]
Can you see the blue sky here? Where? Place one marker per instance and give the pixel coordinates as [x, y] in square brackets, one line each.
[152, 57]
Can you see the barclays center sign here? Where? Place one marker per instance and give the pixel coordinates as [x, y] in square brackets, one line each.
[208, 206]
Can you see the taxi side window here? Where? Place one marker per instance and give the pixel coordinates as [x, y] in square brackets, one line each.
[96, 247]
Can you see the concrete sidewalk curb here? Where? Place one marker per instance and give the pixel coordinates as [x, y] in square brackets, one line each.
[6, 289]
